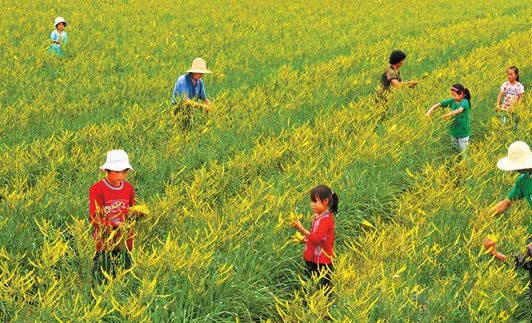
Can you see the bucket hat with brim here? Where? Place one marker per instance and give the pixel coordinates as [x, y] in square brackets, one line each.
[117, 160]
[519, 157]
[199, 66]
[59, 20]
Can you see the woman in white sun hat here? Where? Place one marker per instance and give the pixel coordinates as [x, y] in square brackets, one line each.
[110, 200]
[519, 159]
[189, 91]
[58, 36]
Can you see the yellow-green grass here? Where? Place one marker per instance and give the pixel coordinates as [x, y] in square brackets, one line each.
[293, 88]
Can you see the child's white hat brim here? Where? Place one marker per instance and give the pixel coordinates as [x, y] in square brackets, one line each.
[519, 157]
[117, 160]
[59, 20]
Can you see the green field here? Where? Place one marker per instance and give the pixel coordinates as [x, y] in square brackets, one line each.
[293, 89]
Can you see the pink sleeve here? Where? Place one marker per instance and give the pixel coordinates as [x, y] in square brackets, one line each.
[503, 87]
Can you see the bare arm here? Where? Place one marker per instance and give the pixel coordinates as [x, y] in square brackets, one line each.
[520, 98]
[501, 207]
[514, 103]
[396, 83]
[432, 108]
[452, 113]
[299, 227]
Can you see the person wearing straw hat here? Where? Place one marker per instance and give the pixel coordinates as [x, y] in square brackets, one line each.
[58, 36]
[519, 159]
[110, 200]
[190, 91]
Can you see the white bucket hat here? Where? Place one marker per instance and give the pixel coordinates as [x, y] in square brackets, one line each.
[519, 157]
[117, 160]
[199, 66]
[59, 20]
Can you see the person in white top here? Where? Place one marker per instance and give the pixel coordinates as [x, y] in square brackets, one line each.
[511, 94]
[58, 36]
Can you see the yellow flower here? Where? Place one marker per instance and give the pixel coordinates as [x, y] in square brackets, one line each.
[140, 209]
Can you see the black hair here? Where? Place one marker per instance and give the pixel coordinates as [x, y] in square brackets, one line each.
[323, 192]
[396, 57]
[459, 88]
[516, 71]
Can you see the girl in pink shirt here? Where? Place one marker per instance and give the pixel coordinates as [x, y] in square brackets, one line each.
[511, 92]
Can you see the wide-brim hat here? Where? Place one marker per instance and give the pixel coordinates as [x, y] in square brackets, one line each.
[59, 20]
[519, 157]
[116, 160]
[199, 66]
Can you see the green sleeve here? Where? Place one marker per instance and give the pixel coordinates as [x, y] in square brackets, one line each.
[447, 102]
[464, 104]
[517, 193]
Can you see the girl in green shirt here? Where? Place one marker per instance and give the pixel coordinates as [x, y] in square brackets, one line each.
[460, 107]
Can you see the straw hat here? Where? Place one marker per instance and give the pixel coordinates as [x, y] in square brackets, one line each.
[199, 66]
[59, 20]
[117, 160]
[519, 157]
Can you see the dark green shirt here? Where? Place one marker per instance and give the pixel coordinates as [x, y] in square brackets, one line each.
[523, 189]
[460, 124]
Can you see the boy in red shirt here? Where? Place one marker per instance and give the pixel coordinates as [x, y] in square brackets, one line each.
[110, 199]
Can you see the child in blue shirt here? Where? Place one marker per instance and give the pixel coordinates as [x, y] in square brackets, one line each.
[58, 36]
